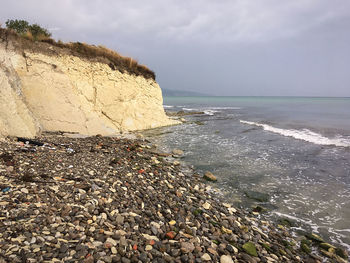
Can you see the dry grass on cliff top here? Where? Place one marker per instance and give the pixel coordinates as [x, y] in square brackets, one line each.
[83, 50]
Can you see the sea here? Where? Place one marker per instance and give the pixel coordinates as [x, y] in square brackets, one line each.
[292, 151]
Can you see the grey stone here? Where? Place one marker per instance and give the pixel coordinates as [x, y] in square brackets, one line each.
[63, 248]
[119, 220]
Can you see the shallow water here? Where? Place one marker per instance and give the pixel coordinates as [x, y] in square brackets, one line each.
[297, 150]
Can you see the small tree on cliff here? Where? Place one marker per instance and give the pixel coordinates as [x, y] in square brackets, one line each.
[39, 32]
[23, 28]
[20, 26]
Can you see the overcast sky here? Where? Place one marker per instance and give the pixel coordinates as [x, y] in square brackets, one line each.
[221, 47]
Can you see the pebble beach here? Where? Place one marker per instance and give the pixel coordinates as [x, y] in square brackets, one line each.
[102, 199]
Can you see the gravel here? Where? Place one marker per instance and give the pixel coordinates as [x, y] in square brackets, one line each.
[100, 199]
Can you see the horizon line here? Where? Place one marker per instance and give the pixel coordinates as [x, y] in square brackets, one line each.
[258, 96]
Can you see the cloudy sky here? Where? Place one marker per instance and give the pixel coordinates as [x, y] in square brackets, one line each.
[221, 47]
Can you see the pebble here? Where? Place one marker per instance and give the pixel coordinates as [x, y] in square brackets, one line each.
[143, 257]
[119, 220]
[205, 257]
[226, 259]
[171, 235]
[187, 247]
[206, 205]
[232, 249]
[212, 251]
[148, 247]
[248, 258]
[89, 259]
[24, 190]
[110, 242]
[63, 248]
[123, 241]
[114, 250]
[118, 200]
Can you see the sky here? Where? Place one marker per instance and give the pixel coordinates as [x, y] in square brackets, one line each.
[221, 47]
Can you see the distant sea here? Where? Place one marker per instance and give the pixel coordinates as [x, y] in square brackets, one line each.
[294, 149]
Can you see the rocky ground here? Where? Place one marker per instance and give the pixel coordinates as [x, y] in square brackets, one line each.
[101, 199]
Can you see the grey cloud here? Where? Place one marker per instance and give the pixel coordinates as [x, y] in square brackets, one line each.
[217, 21]
[236, 47]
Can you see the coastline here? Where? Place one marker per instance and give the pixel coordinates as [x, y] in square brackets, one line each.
[103, 199]
[295, 171]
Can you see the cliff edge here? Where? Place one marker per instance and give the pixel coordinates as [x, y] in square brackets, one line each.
[44, 87]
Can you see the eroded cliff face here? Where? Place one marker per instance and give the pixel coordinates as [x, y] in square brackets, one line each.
[62, 92]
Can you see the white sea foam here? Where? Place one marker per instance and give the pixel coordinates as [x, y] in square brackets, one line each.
[168, 106]
[207, 111]
[303, 134]
[297, 219]
[315, 228]
[210, 112]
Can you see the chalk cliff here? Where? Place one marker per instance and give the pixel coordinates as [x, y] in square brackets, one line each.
[58, 91]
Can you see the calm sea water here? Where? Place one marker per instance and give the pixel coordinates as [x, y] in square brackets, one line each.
[295, 149]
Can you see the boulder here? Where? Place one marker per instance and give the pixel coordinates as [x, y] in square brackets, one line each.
[210, 177]
[178, 152]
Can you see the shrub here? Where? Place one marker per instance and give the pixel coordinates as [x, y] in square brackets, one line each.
[28, 31]
[20, 26]
[28, 35]
[38, 32]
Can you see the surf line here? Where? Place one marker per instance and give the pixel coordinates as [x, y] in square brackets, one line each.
[304, 134]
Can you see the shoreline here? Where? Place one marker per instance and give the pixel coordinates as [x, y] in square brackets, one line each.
[103, 199]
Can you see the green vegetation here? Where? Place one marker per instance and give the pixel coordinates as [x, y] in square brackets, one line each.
[32, 32]
[37, 31]
[20, 26]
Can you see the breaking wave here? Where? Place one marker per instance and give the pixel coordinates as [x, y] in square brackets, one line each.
[303, 134]
[212, 110]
